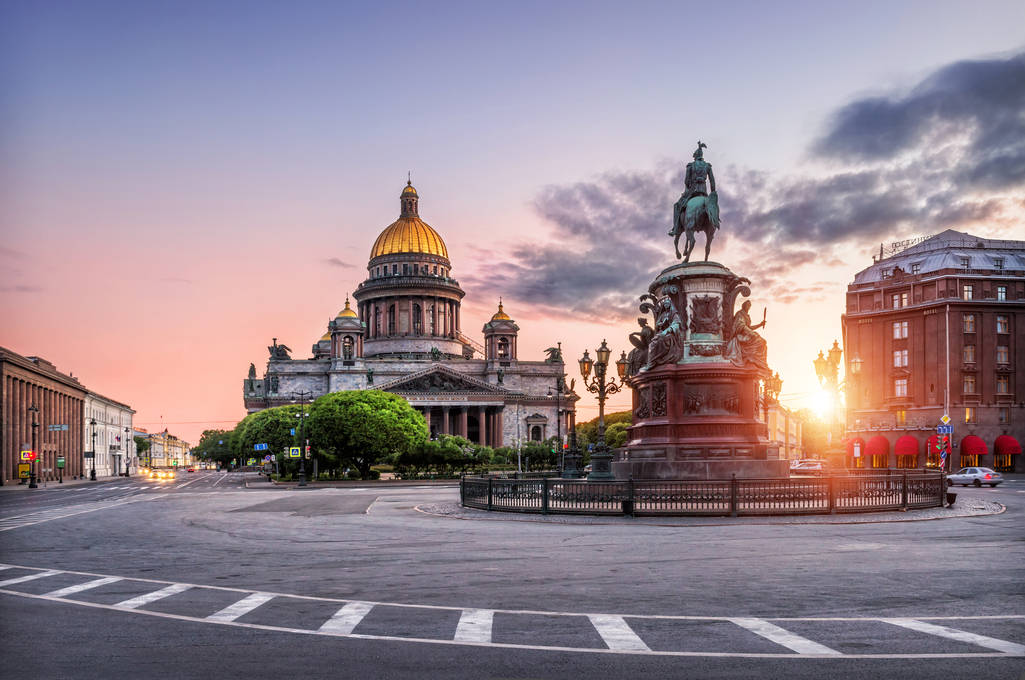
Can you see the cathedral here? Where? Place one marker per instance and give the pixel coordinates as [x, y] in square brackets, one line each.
[405, 336]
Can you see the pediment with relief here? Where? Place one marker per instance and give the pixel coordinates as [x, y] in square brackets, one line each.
[438, 380]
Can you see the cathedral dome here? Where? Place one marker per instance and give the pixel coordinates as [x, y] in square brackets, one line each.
[348, 312]
[409, 234]
[500, 315]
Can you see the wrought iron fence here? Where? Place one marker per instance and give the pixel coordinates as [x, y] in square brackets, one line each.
[734, 497]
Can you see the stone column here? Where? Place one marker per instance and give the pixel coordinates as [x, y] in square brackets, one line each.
[427, 417]
[499, 429]
[463, 428]
[482, 418]
[444, 419]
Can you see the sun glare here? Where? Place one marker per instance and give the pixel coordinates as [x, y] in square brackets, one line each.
[822, 402]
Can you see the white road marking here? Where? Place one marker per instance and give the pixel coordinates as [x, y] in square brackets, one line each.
[962, 636]
[784, 637]
[30, 577]
[186, 484]
[221, 479]
[619, 636]
[136, 602]
[71, 590]
[5, 567]
[19, 521]
[240, 608]
[347, 618]
[475, 626]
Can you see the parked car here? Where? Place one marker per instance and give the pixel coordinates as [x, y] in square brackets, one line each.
[809, 467]
[976, 476]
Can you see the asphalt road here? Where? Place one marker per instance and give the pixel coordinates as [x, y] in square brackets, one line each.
[203, 577]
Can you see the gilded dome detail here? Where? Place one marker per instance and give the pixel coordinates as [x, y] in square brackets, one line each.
[500, 315]
[409, 233]
[348, 312]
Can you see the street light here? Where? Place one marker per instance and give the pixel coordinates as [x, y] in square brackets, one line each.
[301, 397]
[92, 473]
[128, 449]
[827, 371]
[558, 418]
[601, 458]
[32, 463]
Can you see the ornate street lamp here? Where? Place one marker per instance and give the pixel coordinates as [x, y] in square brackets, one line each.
[92, 473]
[827, 371]
[601, 458]
[34, 410]
[558, 419]
[302, 397]
[128, 450]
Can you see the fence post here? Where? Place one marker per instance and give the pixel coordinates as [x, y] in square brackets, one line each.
[904, 490]
[544, 495]
[832, 500]
[462, 491]
[733, 495]
[490, 483]
[631, 495]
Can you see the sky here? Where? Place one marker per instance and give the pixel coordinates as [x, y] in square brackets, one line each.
[181, 182]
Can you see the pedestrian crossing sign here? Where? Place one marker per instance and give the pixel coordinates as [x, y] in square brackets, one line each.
[293, 452]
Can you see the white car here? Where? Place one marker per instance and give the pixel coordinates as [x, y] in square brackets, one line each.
[976, 476]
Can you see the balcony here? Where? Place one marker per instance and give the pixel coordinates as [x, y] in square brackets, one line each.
[906, 401]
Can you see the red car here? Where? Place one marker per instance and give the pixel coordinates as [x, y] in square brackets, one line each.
[191, 469]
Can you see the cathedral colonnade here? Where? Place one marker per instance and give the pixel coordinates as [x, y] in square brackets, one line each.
[480, 423]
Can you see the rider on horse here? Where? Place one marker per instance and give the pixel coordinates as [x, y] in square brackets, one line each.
[696, 210]
[698, 171]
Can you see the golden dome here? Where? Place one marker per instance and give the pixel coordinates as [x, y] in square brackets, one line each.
[327, 336]
[346, 313]
[409, 235]
[500, 315]
[408, 190]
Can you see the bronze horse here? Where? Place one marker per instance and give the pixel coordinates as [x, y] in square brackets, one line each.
[701, 213]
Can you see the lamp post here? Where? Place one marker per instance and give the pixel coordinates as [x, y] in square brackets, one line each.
[92, 472]
[827, 371]
[601, 458]
[558, 419]
[301, 397]
[128, 450]
[34, 410]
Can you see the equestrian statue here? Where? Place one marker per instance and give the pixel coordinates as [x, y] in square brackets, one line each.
[697, 209]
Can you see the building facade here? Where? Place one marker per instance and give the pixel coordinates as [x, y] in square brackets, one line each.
[940, 329]
[785, 431]
[165, 450]
[108, 433]
[30, 383]
[405, 336]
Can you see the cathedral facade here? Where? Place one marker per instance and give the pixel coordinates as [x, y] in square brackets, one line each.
[405, 336]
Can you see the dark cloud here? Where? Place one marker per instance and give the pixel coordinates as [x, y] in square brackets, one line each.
[947, 154]
[338, 263]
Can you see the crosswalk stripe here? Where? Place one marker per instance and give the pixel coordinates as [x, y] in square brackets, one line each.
[30, 577]
[962, 636]
[153, 597]
[5, 567]
[475, 625]
[784, 637]
[243, 606]
[71, 590]
[347, 618]
[617, 634]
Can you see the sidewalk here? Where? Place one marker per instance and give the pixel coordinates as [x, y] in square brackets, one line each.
[255, 480]
[14, 486]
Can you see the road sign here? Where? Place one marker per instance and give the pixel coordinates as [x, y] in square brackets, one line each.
[945, 429]
[23, 472]
[945, 419]
[60, 461]
[27, 454]
[293, 431]
[58, 428]
[89, 454]
[260, 447]
[293, 452]
[266, 459]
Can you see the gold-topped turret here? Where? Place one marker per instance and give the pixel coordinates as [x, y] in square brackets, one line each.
[409, 234]
[500, 315]
[347, 313]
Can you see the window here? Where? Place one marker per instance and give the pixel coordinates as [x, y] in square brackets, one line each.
[503, 348]
[535, 433]
[896, 301]
[969, 414]
[347, 348]
[1003, 414]
[900, 329]
[916, 269]
[417, 320]
[1003, 356]
[1002, 324]
[968, 385]
[878, 461]
[1003, 384]
[901, 416]
[1001, 293]
[969, 461]
[886, 273]
[900, 358]
[966, 262]
[394, 269]
[900, 387]
[903, 299]
[969, 354]
[998, 263]
[391, 320]
[969, 323]
[435, 269]
[967, 292]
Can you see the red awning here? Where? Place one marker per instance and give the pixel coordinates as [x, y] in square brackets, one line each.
[1006, 444]
[906, 446]
[973, 446]
[931, 444]
[878, 446]
[850, 445]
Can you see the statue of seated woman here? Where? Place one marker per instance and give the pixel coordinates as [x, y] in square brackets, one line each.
[666, 346]
[746, 346]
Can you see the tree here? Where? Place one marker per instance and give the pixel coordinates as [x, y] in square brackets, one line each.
[272, 426]
[587, 432]
[142, 445]
[215, 445]
[364, 426]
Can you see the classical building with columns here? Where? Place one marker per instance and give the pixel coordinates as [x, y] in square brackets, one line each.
[405, 336]
[111, 423]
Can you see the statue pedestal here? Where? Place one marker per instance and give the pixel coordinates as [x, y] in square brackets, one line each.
[697, 418]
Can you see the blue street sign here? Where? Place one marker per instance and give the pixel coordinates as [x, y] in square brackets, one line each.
[293, 431]
[945, 429]
[260, 447]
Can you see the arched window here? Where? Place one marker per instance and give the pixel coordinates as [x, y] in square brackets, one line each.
[347, 347]
[503, 348]
[391, 320]
[430, 319]
[535, 433]
[417, 320]
[377, 321]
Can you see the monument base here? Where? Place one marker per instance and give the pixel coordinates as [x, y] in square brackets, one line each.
[701, 470]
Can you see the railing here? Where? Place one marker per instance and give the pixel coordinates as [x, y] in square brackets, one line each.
[884, 490]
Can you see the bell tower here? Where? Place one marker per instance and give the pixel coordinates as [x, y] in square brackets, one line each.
[500, 340]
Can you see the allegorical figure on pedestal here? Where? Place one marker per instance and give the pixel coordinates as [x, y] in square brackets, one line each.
[697, 209]
[638, 356]
[746, 346]
[666, 346]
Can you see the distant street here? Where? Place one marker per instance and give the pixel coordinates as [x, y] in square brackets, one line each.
[203, 577]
